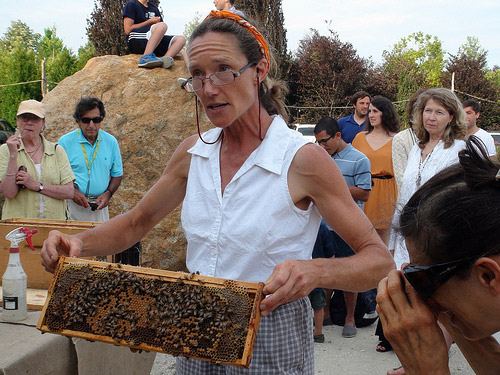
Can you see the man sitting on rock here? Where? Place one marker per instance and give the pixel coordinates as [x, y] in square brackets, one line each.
[145, 31]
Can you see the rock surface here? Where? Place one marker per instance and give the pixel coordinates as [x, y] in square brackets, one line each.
[149, 115]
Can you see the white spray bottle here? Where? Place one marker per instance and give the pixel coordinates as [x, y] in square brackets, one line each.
[14, 280]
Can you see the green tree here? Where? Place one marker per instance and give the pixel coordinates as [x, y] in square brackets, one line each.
[470, 71]
[494, 76]
[18, 64]
[472, 48]
[416, 61]
[60, 62]
[85, 53]
[50, 45]
[191, 25]
[19, 33]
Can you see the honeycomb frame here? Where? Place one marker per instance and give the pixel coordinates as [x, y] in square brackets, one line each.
[178, 313]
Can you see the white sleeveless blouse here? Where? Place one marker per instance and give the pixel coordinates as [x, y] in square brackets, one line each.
[254, 226]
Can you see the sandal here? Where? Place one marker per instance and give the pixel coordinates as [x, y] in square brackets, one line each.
[383, 347]
[396, 371]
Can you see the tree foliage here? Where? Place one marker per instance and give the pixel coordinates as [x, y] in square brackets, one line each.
[470, 70]
[18, 63]
[191, 25]
[21, 54]
[416, 61]
[19, 33]
[326, 73]
[105, 28]
[420, 54]
[269, 17]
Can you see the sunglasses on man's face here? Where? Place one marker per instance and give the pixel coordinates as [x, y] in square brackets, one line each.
[426, 279]
[95, 120]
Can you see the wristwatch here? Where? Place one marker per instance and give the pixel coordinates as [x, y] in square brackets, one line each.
[40, 188]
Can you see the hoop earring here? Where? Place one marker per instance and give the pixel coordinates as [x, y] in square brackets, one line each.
[198, 125]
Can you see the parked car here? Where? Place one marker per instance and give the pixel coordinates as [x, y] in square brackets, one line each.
[307, 131]
[496, 137]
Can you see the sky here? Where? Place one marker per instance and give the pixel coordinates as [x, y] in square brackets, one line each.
[370, 26]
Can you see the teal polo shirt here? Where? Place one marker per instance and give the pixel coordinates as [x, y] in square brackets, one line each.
[355, 168]
[107, 162]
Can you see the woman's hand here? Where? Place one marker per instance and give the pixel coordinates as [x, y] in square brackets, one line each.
[411, 327]
[13, 143]
[24, 178]
[56, 244]
[290, 280]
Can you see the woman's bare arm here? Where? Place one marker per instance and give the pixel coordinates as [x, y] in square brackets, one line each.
[314, 177]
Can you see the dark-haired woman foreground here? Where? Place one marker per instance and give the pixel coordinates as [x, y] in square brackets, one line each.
[452, 231]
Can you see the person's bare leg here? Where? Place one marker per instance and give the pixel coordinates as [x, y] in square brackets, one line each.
[350, 304]
[329, 293]
[318, 321]
[176, 46]
[158, 30]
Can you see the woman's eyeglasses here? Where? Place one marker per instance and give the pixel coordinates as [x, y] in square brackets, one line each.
[95, 120]
[426, 279]
[226, 77]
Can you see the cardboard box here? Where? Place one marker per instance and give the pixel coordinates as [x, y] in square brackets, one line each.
[38, 278]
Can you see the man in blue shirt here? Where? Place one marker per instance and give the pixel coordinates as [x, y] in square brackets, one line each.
[353, 124]
[356, 169]
[95, 158]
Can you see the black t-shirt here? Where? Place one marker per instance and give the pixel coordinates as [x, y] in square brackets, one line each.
[139, 13]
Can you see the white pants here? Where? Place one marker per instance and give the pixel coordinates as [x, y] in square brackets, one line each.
[79, 213]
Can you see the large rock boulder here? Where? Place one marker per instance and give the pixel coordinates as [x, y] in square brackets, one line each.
[149, 115]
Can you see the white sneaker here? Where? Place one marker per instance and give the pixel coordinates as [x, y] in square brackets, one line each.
[167, 61]
[181, 82]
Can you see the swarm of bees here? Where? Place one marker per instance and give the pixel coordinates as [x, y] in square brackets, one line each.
[185, 317]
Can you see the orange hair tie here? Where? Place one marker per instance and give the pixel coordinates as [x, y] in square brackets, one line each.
[247, 25]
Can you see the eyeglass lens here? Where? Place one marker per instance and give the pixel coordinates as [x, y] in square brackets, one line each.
[324, 140]
[217, 79]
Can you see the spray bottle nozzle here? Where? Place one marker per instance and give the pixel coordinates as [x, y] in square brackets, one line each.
[19, 235]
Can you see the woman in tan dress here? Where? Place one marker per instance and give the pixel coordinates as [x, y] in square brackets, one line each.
[376, 143]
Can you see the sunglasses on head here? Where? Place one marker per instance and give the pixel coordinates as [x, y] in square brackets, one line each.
[95, 120]
[426, 279]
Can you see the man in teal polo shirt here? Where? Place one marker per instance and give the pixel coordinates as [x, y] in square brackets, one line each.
[95, 158]
[355, 168]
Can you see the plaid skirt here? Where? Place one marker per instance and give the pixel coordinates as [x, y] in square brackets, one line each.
[284, 345]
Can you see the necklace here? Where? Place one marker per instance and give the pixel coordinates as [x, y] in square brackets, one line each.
[36, 149]
[421, 166]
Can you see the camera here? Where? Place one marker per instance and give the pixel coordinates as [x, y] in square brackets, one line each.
[93, 205]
